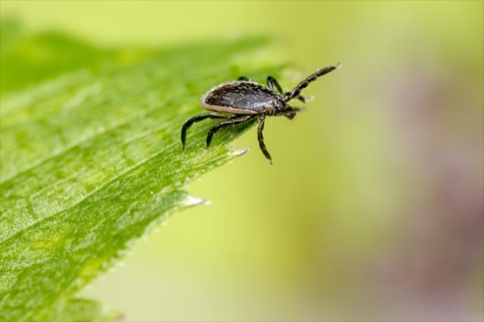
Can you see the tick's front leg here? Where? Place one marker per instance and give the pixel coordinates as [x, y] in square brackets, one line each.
[273, 84]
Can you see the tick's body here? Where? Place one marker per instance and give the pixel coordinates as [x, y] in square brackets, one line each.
[240, 97]
[244, 100]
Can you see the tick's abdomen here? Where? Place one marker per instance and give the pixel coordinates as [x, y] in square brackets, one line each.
[241, 97]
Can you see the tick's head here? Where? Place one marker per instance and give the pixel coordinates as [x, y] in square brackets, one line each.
[280, 104]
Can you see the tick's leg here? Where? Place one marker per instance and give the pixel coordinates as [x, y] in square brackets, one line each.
[311, 78]
[238, 119]
[243, 78]
[260, 136]
[290, 115]
[272, 83]
[199, 118]
[305, 99]
[290, 112]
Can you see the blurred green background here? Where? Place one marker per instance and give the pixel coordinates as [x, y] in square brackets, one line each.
[374, 207]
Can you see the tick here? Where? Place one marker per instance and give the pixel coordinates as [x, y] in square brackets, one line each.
[240, 101]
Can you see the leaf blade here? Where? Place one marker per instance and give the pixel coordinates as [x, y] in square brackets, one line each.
[91, 160]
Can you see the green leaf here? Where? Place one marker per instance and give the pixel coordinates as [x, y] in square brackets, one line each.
[91, 157]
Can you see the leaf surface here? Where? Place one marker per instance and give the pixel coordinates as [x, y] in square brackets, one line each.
[91, 157]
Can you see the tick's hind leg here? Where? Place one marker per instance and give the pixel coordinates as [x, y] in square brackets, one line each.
[260, 136]
[237, 119]
[199, 118]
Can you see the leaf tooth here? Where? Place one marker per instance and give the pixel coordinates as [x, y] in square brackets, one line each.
[191, 201]
[238, 153]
